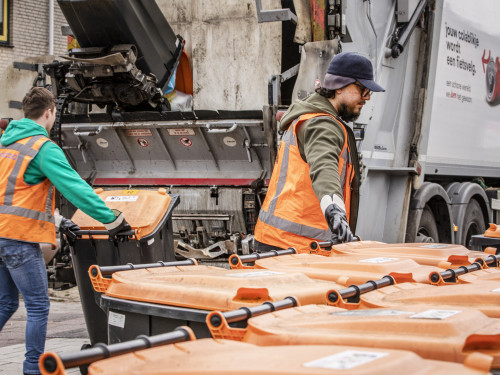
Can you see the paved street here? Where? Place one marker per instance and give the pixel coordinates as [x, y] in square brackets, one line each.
[66, 331]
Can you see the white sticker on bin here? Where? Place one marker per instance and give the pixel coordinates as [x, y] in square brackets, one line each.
[435, 246]
[435, 314]
[254, 274]
[346, 360]
[115, 319]
[497, 290]
[378, 260]
[122, 198]
[372, 312]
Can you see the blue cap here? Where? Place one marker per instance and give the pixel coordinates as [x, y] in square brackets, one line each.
[348, 67]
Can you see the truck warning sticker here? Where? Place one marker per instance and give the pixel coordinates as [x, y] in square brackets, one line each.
[229, 141]
[101, 142]
[181, 131]
[435, 314]
[143, 142]
[346, 360]
[122, 198]
[185, 141]
[139, 133]
[378, 260]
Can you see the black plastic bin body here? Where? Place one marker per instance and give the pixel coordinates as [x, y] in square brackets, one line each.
[156, 246]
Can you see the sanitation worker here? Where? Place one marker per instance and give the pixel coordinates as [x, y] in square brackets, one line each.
[314, 189]
[31, 167]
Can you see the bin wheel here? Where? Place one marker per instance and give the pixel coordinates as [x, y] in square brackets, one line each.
[427, 228]
[84, 370]
[473, 222]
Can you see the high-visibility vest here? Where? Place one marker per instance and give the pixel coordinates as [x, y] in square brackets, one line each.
[291, 215]
[26, 211]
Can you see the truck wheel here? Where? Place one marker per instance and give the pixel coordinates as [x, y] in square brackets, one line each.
[473, 222]
[427, 228]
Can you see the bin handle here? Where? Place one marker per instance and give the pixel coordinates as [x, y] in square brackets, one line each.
[52, 363]
[221, 130]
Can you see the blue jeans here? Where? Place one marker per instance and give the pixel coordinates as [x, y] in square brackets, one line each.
[22, 269]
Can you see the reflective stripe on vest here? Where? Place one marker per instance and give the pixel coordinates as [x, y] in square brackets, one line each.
[14, 186]
[345, 171]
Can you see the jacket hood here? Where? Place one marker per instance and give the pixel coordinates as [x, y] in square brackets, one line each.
[312, 104]
[19, 129]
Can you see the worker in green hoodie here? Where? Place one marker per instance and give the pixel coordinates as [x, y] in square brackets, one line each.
[30, 167]
[313, 194]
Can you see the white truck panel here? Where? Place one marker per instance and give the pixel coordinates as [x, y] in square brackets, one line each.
[463, 127]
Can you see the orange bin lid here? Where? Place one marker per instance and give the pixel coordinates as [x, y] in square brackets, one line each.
[492, 231]
[208, 356]
[430, 332]
[487, 274]
[431, 254]
[481, 295]
[214, 288]
[143, 209]
[350, 269]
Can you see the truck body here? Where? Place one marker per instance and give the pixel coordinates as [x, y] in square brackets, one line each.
[428, 143]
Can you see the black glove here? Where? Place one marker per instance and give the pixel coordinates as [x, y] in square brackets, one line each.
[118, 225]
[337, 221]
[68, 228]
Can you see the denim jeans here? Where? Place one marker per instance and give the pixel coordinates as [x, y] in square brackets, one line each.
[22, 269]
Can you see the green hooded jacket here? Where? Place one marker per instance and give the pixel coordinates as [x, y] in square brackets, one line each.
[320, 142]
[51, 163]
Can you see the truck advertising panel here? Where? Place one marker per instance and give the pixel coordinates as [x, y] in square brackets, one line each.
[464, 129]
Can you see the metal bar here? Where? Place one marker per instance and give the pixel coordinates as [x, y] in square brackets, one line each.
[356, 290]
[221, 217]
[109, 270]
[250, 148]
[172, 124]
[274, 15]
[245, 313]
[268, 254]
[101, 351]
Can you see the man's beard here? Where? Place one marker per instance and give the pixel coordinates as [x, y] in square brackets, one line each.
[347, 114]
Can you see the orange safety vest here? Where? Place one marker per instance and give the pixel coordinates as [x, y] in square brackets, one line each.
[26, 211]
[291, 215]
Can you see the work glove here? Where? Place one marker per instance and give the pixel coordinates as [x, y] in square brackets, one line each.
[68, 228]
[116, 226]
[337, 221]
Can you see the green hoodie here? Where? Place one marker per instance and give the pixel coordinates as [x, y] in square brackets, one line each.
[320, 142]
[51, 163]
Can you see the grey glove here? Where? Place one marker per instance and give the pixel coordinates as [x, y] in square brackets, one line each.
[116, 226]
[337, 221]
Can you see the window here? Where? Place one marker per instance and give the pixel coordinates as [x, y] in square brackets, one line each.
[4, 21]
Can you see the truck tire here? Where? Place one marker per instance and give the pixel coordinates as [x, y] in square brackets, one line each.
[427, 228]
[473, 222]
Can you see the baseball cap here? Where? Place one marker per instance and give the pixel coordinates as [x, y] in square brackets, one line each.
[349, 67]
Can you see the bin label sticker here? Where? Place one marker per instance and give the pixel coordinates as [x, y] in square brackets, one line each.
[139, 133]
[378, 260]
[372, 312]
[131, 191]
[254, 274]
[229, 141]
[101, 142]
[185, 141]
[117, 320]
[435, 314]
[122, 198]
[151, 241]
[346, 360]
[181, 131]
[497, 290]
[435, 246]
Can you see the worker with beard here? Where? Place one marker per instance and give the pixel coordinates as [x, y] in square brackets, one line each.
[313, 194]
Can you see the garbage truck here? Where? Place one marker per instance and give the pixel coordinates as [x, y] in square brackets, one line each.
[185, 95]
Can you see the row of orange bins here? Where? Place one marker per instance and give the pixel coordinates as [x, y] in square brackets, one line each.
[358, 308]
